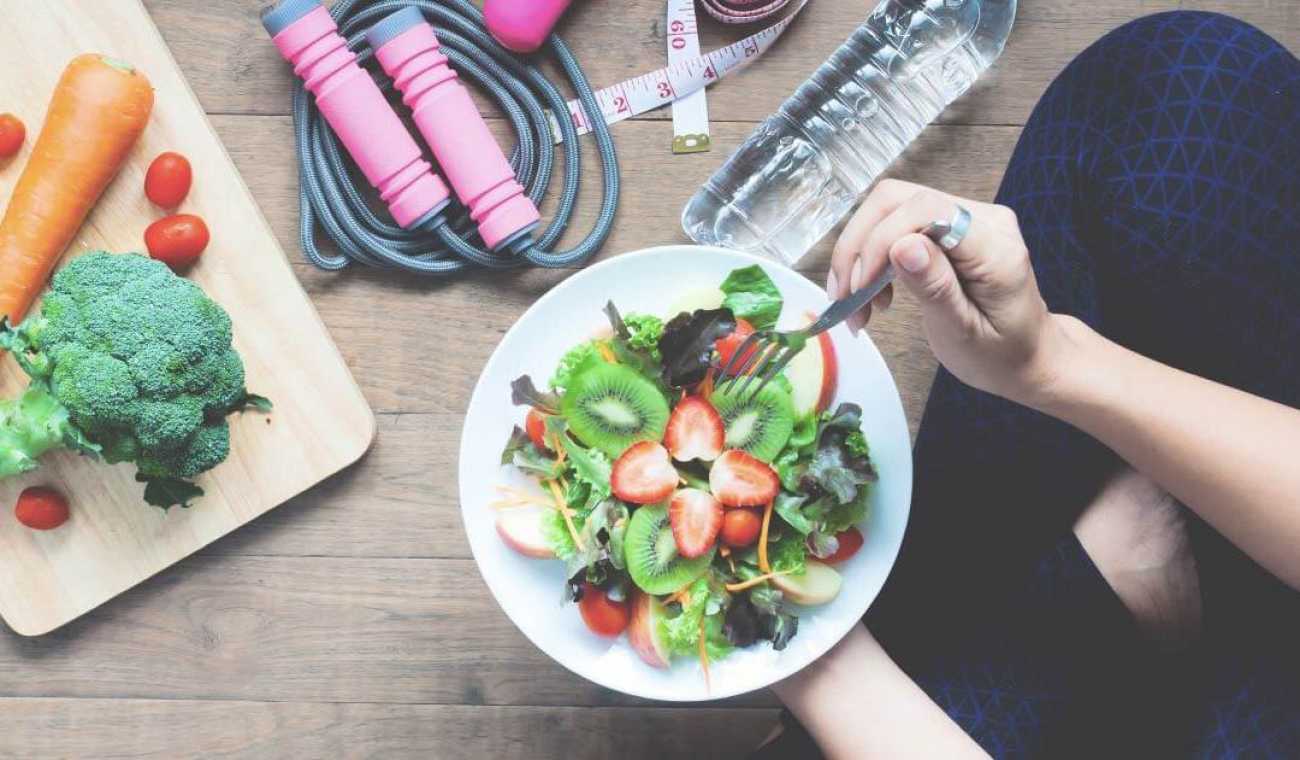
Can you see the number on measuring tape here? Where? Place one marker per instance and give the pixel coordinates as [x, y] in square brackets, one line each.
[678, 83]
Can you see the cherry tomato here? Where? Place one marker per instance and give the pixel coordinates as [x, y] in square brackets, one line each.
[41, 508]
[12, 134]
[536, 427]
[850, 541]
[740, 527]
[168, 180]
[604, 616]
[177, 240]
[727, 346]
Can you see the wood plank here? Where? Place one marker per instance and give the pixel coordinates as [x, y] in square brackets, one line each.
[321, 422]
[235, 70]
[128, 728]
[284, 629]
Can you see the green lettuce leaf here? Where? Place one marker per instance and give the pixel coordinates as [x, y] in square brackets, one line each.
[521, 453]
[751, 295]
[573, 362]
[682, 632]
[788, 555]
[644, 332]
[792, 462]
[556, 535]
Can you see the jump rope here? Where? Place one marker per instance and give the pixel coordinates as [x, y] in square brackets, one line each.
[494, 223]
[339, 107]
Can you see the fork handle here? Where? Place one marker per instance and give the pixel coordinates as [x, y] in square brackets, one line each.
[850, 304]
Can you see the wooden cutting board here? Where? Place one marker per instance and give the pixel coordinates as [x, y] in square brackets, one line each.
[321, 422]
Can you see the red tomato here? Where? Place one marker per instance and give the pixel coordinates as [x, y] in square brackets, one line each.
[41, 508]
[727, 346]
[177, 240]
[536, 427]
[12, 134]
[850, 541]
[604, 616]
[740, 527]
[168, 180]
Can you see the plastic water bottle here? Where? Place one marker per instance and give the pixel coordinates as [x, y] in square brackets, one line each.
[804, 167]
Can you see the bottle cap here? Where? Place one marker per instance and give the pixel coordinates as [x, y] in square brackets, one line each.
[276, 18]
[393, 25]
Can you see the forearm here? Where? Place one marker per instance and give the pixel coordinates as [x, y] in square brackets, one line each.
[858, 704]
[1227, 455]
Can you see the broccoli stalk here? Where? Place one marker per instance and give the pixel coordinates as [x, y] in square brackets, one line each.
[31, 425]
[128, 363]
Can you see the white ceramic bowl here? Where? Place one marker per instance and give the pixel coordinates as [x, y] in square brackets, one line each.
[530, 590]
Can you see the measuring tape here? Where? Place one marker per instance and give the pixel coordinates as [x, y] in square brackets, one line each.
[689, 75]
[691, 113]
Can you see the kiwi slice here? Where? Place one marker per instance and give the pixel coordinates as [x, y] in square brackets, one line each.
[759, 423]
[611, 407]
[651, 553]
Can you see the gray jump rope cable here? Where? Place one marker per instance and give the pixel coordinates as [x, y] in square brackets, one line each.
[448, 244]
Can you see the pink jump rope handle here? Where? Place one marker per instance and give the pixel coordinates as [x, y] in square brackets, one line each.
[451, 124]
[355, 108]
[522, 25]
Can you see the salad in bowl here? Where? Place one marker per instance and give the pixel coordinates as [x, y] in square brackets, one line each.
[695, 517]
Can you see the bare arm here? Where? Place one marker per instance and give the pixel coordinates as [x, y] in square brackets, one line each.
[858, 704]
[1229, 456]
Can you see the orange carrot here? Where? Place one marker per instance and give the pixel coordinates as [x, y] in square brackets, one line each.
[98, 110]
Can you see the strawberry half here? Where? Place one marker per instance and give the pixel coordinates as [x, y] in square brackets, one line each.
[644, 474]
[694, 431]
[739, 480]
[696, 518]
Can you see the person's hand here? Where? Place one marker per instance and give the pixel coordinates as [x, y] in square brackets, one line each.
[982, 311]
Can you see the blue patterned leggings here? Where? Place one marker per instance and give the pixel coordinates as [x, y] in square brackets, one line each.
[1158, 188]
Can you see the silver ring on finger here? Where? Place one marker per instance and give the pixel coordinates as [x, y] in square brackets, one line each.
[948, 235]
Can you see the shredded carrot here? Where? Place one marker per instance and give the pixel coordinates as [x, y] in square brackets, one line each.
[725, 550]
[606, 352]
[705, 388]
[762, 539]
[682, 595]
[566, 513]
[753, 581]
[704, 657]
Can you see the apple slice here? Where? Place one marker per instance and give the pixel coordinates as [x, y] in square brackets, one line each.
[817, 585]
[521, 529]
[644, 632]
[699, 298]
[814, 374]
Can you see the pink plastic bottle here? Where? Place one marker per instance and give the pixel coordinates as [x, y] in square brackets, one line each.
[471, 160]
[355, 108]
[522, 25]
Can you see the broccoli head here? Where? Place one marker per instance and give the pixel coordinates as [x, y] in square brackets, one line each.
[128, 362]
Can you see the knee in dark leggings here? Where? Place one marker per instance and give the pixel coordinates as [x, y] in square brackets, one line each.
[1146, 49]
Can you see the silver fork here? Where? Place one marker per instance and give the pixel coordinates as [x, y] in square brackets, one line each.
[768, 352]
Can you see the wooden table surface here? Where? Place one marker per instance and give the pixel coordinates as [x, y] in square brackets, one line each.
[352, 621]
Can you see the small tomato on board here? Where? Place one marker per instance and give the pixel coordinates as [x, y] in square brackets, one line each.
[41, 508]
[604, 616]
[177, 240]
[850, 541]
[168, 180]
[12, 134]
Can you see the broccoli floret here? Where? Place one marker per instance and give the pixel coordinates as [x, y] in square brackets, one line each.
[128, 362]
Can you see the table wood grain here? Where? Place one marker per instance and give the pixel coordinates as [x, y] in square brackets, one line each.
[351, 622]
